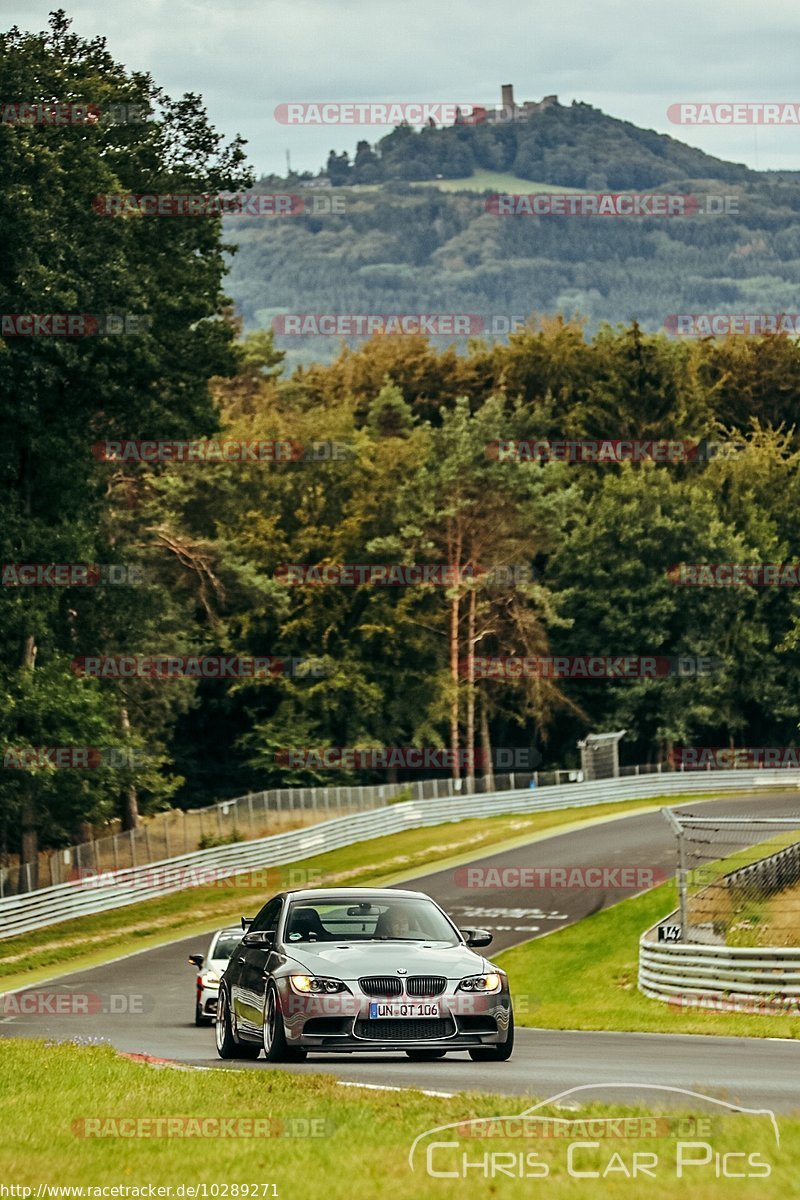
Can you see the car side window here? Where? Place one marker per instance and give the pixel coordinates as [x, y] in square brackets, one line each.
[268, 917]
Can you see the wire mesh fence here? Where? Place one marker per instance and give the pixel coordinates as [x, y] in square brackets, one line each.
[257, 815]
[181, 831]
[738, 880]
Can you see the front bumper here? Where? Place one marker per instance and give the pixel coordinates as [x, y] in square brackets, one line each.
[342, 1022]
[207, 998]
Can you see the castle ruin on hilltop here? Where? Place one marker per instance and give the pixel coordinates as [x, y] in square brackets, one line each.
[509, 109]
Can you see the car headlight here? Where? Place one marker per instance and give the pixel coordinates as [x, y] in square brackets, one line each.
[313, 985]
[480, 983]
[210, 979]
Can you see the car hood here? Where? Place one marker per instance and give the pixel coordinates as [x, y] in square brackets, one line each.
[345, 961]
[217, 964]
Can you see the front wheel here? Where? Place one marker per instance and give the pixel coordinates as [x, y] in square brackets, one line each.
[276, 1048]
[227, 1045]
[500, 1053]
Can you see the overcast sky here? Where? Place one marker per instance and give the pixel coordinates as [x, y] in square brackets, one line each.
[632, 58]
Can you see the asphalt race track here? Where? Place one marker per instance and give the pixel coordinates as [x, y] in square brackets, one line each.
[144, 1003]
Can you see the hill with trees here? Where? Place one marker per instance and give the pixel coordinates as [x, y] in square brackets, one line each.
[571, 146]
[405, 245]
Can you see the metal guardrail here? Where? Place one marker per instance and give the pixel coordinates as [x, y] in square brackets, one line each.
[690, 973]
[47, 906]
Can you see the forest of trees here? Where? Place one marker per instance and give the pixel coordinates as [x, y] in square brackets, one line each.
[414, 249]
[415, 484]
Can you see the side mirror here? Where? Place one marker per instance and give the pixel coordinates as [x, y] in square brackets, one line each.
[247, 922]
[260, 938]
[477, 937]
[197, 960]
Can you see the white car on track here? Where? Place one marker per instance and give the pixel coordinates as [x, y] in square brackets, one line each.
[209, 972]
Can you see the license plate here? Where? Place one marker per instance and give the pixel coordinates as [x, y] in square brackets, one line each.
[405, 1008]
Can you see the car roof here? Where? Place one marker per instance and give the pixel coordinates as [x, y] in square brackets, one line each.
[352, 893]
[227, 929]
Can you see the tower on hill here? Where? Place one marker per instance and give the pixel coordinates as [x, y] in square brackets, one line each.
[511, 111]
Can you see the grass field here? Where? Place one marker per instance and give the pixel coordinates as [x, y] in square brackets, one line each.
[481, 181]
[81, 1116]
[494, 181]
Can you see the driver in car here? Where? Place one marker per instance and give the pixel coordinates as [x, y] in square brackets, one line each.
[394, 923]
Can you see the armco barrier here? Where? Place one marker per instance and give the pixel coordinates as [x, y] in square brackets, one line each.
[35, 910]
[689, 973]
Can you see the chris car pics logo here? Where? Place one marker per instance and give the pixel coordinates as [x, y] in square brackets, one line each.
[531, 1145]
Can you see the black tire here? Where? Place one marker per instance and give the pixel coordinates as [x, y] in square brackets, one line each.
[275, 1046]
[423, 1055]
[227, 1044]
[499, 1053]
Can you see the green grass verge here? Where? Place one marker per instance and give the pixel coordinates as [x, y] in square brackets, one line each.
[88, 941]
[584, 977]
[481, 181]
[496, 181]
[48, 1092]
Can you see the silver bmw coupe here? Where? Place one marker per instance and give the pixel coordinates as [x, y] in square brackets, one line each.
[370, 969]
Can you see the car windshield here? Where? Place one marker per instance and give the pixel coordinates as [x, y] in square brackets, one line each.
[382, 920]
[225, 945]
